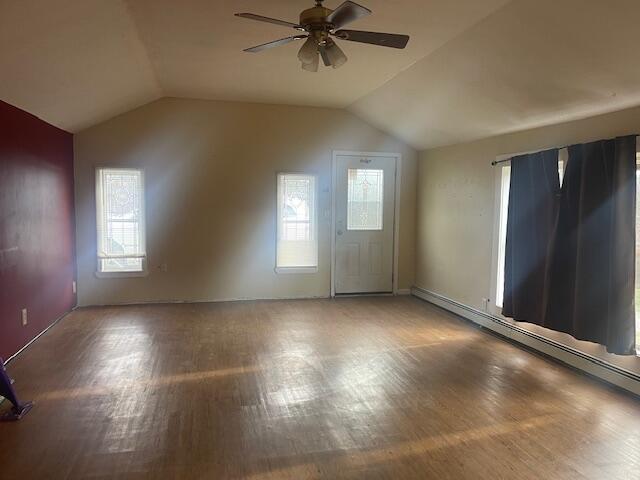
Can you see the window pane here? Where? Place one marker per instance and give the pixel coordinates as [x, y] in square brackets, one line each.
[364, 199]
[297, 239]
[296, 208]
[502, 232]
[120, 216]
[563, 158]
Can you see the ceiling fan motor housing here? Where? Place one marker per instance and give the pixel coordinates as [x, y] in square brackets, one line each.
[315, 18]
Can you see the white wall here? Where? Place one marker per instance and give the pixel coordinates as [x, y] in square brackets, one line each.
[456, 209]
[210, 172]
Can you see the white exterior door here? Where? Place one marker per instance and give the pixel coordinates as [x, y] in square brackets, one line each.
[364, 226]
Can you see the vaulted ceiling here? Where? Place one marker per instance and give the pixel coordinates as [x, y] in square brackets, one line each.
[473, 68]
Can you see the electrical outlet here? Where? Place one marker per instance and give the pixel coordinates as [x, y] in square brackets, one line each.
[485, 304]
[74, 287]
[24, 317]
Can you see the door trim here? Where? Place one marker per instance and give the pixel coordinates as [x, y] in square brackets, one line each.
[396, 208]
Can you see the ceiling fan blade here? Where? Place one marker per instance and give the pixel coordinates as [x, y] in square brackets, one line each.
[275, 43]
[374, 38]
[324, 55]
[347, 13]
[260, 18]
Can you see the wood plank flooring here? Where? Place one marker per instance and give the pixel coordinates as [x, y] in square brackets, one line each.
[354, 388]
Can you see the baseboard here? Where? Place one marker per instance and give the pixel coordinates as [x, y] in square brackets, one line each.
[30, 342]
[204, 300]
[402, 291]
[2, 399]
[588, 364]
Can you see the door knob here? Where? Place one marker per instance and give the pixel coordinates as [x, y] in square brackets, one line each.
[339, 232]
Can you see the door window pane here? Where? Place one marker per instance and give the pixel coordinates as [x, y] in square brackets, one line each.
[364, 199]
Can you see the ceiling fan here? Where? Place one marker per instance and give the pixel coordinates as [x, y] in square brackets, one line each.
[320, 24]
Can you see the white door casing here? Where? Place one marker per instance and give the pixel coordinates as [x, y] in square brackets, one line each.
[364, 223]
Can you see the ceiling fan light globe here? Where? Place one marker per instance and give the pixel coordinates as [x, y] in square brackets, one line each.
[310, 67]
[336, 56]
[308, 53]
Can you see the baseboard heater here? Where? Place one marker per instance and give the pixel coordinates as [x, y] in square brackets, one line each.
[589, 364]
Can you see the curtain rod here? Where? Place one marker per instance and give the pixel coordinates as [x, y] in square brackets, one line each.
[496, 162]
[505, 160]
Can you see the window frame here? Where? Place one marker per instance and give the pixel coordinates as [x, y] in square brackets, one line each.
[313, 219]
[144, 263]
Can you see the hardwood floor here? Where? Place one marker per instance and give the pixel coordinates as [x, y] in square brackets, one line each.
[355, 388]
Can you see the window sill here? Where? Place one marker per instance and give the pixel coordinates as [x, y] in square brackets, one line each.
[143, 273]
[287, 270]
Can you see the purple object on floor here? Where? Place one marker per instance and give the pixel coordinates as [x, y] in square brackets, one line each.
[19, 409]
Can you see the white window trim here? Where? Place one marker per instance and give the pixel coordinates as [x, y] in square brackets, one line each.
[316, 189]
[142, 273]
[133, 274]
[287, 270]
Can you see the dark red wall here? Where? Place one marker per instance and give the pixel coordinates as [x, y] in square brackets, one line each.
[37, 251]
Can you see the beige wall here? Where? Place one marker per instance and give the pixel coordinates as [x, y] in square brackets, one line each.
[456, 208]
[210, 172]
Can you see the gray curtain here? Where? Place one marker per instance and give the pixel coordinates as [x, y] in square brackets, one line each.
[570, 254]
[533, 209]
[591, 280]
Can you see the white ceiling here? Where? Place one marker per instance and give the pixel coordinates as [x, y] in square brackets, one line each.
[473, 68]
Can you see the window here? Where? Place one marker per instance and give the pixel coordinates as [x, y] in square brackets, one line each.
[120, 221]
[364, 199]
[297, 242]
